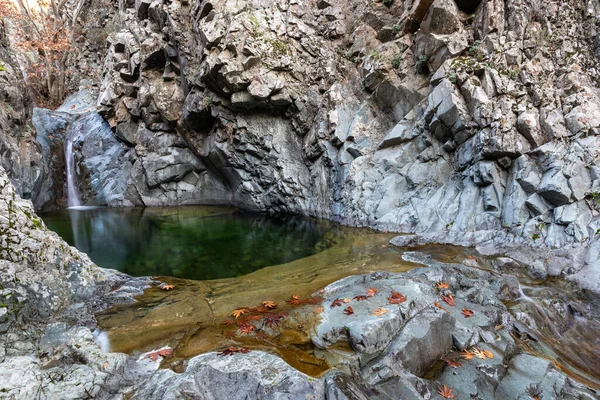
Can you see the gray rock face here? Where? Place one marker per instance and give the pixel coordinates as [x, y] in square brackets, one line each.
[254, 375]
[20, 154]
[259, 110]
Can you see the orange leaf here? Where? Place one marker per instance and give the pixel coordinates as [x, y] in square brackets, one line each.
[435, 303]
[269, 304]
[443, 285]
[360, 298]
[240, 311]
[372, 292]
[160, 353]
[318, 310]
[467, 355]
[165, 286]
[294, 300]
[445, 392]
[467, 313]
[396, 298]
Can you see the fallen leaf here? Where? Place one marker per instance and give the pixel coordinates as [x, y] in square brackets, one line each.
[227, 322]
[488, 354]
[346, 300]
[360, 297]
[272, 320]
[448, 299]
[452, 363]
[318, 310]
[372, 292]
[443, 285]
[294, 300]
[337, 303]
[240, 311]
[165, 286]
[269, 304]
[73, 106]
[349, 311]
[479, 354]
[467, 313]
[162, 353]
[105, 365]
[396, 298]
[435, 303]
[445, 392]
[380, 311]
[247, 328]
[231, 350]
[252, 318]
[467, 355]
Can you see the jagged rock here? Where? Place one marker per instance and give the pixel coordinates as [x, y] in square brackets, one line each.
[554, 187]
[256, 374]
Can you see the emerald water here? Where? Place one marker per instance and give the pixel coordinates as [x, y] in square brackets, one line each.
[189, 242]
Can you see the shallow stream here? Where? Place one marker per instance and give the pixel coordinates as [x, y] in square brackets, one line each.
[232, 260]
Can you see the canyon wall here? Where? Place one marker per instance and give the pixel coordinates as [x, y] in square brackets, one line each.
[416, 116]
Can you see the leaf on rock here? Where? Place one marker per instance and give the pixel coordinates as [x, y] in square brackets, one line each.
[380, 311]
[318, 310]
[435, 303]
[346, 300]
[467, 313]
[443, 285]
[294, 300]
[165, 286]
[349, 310]
[372, 292]
[396, 298]
[337, 303]
[231, 350]
[452, 363]
[448, 299]
[160, 353]
[467, 355]
[269, 304]
[360, 297]
[445, 392]
[240, 311]
[272, 320]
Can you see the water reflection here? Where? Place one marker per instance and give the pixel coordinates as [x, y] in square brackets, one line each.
[189, 242]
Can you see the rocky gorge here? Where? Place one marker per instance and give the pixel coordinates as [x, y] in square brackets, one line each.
[460, 122]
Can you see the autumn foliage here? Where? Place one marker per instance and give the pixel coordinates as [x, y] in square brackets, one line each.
[42, 34]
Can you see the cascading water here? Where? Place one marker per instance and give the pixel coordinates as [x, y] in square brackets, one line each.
[72, 193]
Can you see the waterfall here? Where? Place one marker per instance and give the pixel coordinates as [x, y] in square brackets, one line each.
[72, 193]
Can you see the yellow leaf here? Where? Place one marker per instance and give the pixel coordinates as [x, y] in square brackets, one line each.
[346, 300]
[380, 311]
[269, 304]
[240, 311]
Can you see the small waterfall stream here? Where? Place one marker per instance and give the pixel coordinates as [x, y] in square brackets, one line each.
[72, 193]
